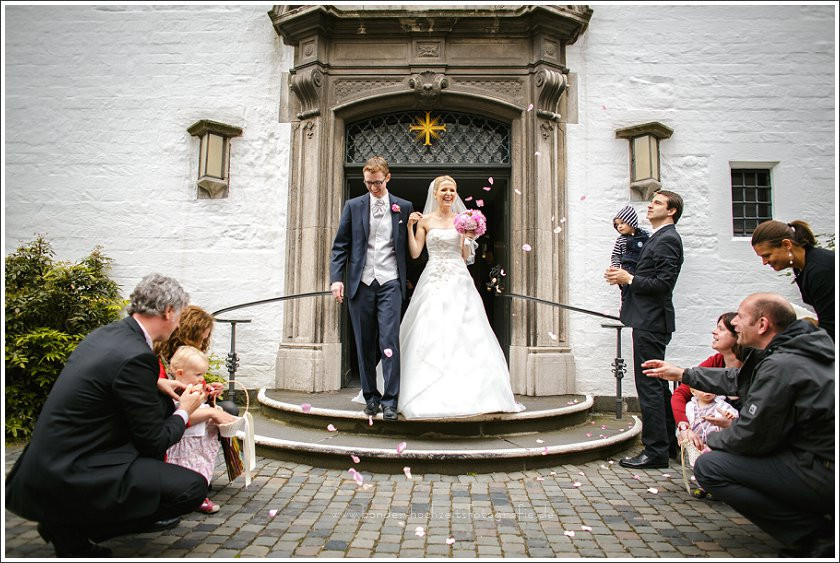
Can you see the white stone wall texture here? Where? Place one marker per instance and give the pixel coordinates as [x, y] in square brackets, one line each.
[98, 102]
[99, 98]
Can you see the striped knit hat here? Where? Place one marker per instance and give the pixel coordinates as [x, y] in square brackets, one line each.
[627, 215]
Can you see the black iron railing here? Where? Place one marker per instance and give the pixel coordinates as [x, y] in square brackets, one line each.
[494, 285]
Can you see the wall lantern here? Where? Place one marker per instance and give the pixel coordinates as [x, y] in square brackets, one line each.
[214, 155]
[644, 156]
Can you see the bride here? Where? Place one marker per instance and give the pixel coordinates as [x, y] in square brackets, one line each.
[451, 362]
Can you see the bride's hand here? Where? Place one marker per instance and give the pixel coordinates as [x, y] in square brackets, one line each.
[414, 218]
[470, 235]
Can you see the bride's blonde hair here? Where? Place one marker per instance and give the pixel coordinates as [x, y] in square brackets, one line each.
[441, 179]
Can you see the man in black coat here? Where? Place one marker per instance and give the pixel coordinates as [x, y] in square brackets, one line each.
[775, 463]
[94, 468]
[648, 308]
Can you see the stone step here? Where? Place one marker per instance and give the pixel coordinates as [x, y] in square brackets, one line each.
[541, 414]
[599, 437]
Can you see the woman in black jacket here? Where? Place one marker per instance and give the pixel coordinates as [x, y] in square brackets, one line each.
[793, 245]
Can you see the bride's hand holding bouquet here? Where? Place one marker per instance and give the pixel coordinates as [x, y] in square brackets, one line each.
[471, 223]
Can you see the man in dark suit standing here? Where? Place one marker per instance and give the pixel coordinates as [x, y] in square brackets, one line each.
[94, 468]
[372, 237]
[649, 309]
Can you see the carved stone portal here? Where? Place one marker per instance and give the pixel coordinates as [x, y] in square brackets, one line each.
[491, 61]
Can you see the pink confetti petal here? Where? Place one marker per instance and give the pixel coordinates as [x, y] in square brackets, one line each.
[370, 421]
[666, 475]
[601, 436]
[419, 531]
[611, 461]
[537, 153]
[359, 478]
[583, 197]
[479, 203]
[352, 471]
[562, 219]
[502, 272]
[517, 191]
[653, 490]
[331, 428]
[401, 447]
[486, 188]
[576, 484]
[552, 336]
[355, 458]
[581, 473]
[569, 533]
[693, 478]
[545, 450]
[306, 407]
[589, 434]
[526, 247]
[585, 528]
[468, 198]
[407, 471]
[553, 473]
[603, 427]
[557, 229]
[637, 478]
[540, 478]
[272, 513]
[530, 107]
[450, 541]
[540, 441]
[388, 352]
[490, 180]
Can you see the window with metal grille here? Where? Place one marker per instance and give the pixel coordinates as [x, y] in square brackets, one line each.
[468, 139]
[751, 202]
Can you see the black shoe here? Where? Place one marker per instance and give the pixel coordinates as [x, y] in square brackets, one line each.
[80, 547]
[162, 525]
[389, 413]
[372, 408]
[644, 461]
[811, 547]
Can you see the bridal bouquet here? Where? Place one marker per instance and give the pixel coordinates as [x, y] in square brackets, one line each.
[471, 220]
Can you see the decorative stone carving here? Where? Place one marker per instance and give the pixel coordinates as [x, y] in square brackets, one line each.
[511, 89]
[309, 129]
[427, 87]
[546, 129]
[353, 88]
[306, 85]
[428, 50]
[551, 84]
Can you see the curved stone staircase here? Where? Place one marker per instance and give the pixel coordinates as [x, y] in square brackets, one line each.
[551, 431]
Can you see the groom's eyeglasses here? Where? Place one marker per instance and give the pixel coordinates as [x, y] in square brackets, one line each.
[374, 183]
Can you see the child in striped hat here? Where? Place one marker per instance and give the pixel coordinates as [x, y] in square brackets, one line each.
[628, 245]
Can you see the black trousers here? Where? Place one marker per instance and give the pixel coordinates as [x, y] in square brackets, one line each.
[181, 491]
[375, 313]
[768, 492]
[654, 394]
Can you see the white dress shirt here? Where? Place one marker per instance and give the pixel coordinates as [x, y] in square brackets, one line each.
[381, 257]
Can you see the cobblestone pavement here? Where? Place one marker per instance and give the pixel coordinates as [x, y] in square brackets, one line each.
[597, 509]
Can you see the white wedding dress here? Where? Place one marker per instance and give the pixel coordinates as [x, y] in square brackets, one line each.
[451, 363]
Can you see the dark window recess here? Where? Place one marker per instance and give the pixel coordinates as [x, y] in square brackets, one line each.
[751, 201]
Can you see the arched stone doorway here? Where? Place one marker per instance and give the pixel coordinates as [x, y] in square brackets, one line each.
[505, 64]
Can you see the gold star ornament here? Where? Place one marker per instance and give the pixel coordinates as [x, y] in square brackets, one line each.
[427, 128]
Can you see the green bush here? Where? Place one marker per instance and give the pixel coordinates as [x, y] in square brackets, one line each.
[50, 307]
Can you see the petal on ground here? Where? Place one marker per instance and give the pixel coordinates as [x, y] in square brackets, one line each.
[450, 541]
[272, 513]
[569, 533]
[355, 458]
[401, 447]
[306, 407]
[331, 428]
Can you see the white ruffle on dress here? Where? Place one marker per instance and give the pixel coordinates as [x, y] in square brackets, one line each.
[451, 363]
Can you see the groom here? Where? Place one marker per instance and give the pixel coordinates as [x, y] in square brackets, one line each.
[372, 236]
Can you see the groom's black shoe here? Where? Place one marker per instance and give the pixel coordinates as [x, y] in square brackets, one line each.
[644, 461]
[389, 413]
[372, 408]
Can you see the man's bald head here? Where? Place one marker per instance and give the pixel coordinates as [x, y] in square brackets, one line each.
[761, 316]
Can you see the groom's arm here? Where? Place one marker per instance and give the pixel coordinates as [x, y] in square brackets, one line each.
[341, 246]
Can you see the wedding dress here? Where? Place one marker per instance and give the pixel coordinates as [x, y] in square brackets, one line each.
[451, 362]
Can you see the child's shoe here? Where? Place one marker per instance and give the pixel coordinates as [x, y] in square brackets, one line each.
[208, 507]
[699, 493]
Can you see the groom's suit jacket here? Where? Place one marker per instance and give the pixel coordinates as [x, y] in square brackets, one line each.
[102, 414]
[648, 301]
[350, 246]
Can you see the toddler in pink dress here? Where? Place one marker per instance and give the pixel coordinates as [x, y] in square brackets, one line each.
[199, 447]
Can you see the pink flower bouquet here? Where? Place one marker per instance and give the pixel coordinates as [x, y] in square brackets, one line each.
[471, 220]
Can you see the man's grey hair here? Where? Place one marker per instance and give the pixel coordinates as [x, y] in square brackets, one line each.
[155, 293]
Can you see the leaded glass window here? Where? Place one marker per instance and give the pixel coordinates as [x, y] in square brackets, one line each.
[751, 203]
[468, 139]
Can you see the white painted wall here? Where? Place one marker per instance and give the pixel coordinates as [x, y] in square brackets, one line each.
[98, 102]
[735, 83]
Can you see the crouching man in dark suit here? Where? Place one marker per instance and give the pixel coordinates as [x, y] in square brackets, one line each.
[94, 468]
